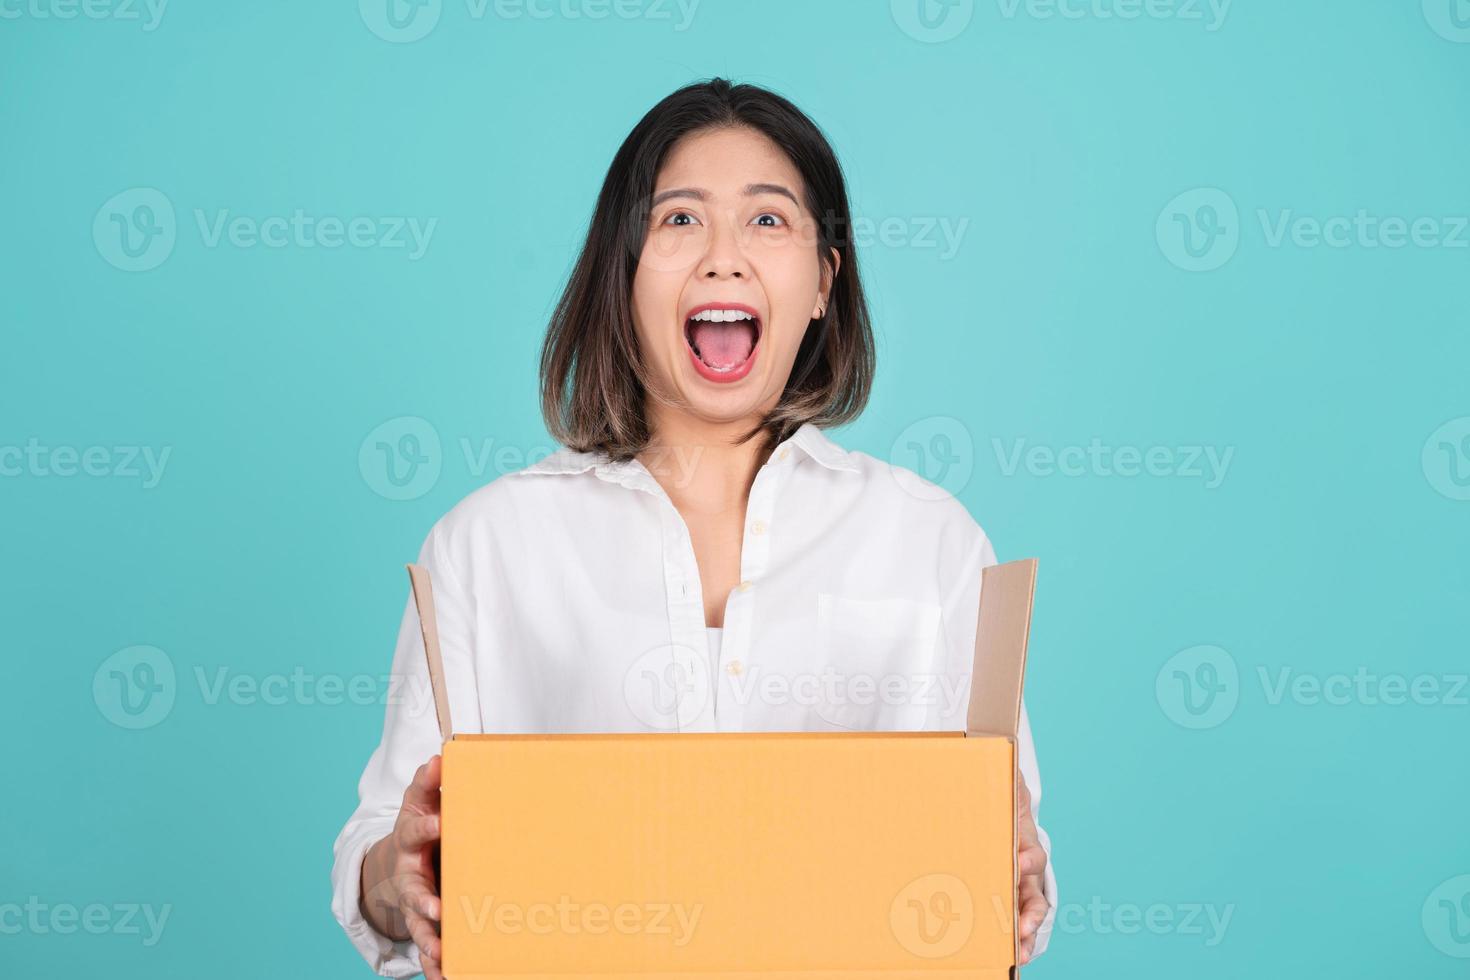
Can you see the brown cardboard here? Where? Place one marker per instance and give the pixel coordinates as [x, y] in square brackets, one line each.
[423, 598]
[1000, 648]
[809, 855]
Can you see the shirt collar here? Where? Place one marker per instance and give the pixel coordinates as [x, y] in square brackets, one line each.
[823, 449]
[808, 438]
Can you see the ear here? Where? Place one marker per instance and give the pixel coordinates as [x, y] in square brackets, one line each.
[829, 273]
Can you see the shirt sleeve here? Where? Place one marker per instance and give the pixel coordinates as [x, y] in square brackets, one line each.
[410, 738]
[961, 618]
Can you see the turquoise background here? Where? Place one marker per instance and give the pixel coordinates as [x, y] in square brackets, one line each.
[1333, 835]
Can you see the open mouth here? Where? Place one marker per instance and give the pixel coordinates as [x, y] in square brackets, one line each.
[722, 340]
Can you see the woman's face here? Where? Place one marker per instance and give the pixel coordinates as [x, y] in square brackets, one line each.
[727, 234]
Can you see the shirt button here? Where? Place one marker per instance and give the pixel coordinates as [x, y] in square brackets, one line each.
[758, 527]
[744, 586]
[733, 667]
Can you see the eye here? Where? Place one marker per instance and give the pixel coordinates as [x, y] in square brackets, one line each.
[776, 217]
[680, 214]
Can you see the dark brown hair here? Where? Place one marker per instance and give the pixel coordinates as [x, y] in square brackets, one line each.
[593, 378]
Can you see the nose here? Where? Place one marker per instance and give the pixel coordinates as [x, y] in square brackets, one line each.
[724, 257]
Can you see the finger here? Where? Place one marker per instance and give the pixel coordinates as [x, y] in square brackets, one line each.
[423, 790]
[432, 968]
[1023, 793]
[416, 830]
[1033, 914]
[421, 931]
[1026, 832]
[1024, 817]
[416, 897]
[1026, 824]
[1031, 860]
[1027, 947]
[1034, 908]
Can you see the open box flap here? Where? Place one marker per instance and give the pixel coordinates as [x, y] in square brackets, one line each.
[999, 672]
[1000, 648]
[423, 600]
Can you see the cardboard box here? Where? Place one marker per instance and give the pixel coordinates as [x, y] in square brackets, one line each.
[803, 855]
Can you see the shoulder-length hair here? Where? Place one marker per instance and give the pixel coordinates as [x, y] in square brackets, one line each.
[594, 382]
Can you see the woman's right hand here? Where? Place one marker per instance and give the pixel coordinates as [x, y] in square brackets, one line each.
[400, 893]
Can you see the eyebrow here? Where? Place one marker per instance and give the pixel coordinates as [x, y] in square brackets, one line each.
[699, 194]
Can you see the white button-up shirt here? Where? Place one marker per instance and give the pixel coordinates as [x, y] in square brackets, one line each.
[569, 600]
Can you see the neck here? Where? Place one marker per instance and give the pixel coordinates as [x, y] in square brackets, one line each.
[699, 465]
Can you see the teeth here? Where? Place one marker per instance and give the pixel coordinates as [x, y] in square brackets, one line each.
[722, 316]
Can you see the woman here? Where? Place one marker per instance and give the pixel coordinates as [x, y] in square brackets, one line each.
[700, 536]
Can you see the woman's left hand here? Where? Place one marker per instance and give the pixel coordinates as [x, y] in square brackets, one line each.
[1031, 903]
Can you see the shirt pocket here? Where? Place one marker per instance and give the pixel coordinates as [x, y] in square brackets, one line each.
[879, 655]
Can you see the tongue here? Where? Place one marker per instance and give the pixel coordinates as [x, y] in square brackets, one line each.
[723, 345]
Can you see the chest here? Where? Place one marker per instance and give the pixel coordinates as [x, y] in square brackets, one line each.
[808, 641]
[833, 611]
[716, 542]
